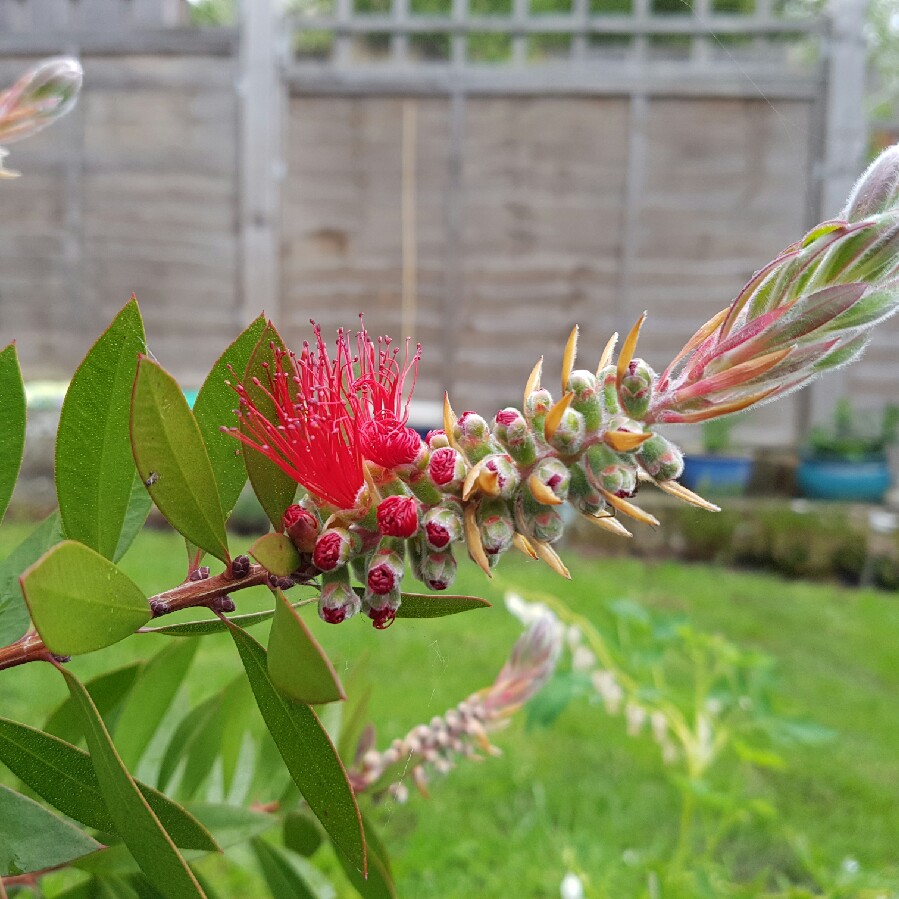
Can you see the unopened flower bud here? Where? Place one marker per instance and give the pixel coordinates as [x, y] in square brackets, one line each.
[398, 516]
[570, 434]
[438, 569]
[582, 494]
[505, 472]
[447, 469]
[472, 434]
[635, 391]
[333, 548]
[608, 383]
[201, 573]
[537, 404]
[437, 439]
[496, 526]
[534, 519]
[607, 470]
[442, 525]
[511, 429]
[877, 190]
[385, 572]
[583, 385]
[240, 567]
[552, 474]
[302, 527]
[381, 607]
[660, 458]
[337, 600]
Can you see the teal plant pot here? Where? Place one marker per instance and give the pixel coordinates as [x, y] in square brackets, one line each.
[718, 475]
[865, 481]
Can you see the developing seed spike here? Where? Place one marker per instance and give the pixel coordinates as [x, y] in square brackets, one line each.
[449, 422]
[627, 349]
[533, 382]
[610, 524]
[635, 512]
[521, 543]
[554, 416]
[547, 554]
[471, 478]
[543, 494]
[568, 357]
[625, 441]
[684, 493]
[607, 353]
[488, 482]
[473, 539]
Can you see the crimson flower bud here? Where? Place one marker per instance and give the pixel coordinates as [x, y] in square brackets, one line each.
[447, 469]
[381, 608]
[333, 549]
[554, 475]
[337, 600]
[302, 527]
[438, 569]
[398, 516]
[436, 439]
[385, 572]
[511, 429]
[442, 525]
[473, 435]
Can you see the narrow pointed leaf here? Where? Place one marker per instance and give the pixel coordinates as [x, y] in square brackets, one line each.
[35, 839]
[297, 664]
[308, 753]
[189, 729]
[213, 409]
[135, 821]
[12, 424]
[172, 459]
[842, 355]
[94, 468]
[276, 553]
[63, 775]
[231, 824]
[274, 489]
[80, 602]
[209, 626]
[13, 611]
[872, 308]
[139, 505]
[379, 884]
[435, 605]
[150, 699]
[281, 874]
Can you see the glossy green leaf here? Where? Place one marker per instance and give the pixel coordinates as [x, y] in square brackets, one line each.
[281, 874]
[12, 424]
[34, 839]
[207, 626]
[135, 821]
[94, 468]
[301, 833]
[107, 690]
[139, 505]
[276, 553]
[172, 459]
[150, 699]
[308, 753]
[63, 775]
[435, 605]
[297, 664]
[214, 409]
[231, 825]
[80, 602]
[274, 489]
[379, 883]
[13, 611]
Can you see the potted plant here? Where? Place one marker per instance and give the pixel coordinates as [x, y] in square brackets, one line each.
[848, 459]
[718, 469]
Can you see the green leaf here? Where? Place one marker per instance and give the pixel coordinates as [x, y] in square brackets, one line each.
[134, 820]
[435, 605]
[307, 752]
[94, 468]
[191, 727]
[301, 833]
[214, 408]
[231, 825]
[355, 711]
[274, 489]
[63, 775]
[107, 690]
[34, 839]
[281, 874]
[139, 505]
[276, 553]
[172, 459]
[379, 883]
[80, 602]
[297, 664]
[13, 611]
[150, 700]
[12, 424]
[207, 626]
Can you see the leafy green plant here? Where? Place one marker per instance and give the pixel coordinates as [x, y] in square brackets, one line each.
[852, 437]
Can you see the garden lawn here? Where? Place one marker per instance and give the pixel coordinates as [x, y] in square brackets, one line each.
[582, 793]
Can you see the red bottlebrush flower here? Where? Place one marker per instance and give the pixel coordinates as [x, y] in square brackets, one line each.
[315, 438]
[398, 516]
[383, 410]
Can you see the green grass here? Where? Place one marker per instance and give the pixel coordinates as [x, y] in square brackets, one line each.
[583, 790]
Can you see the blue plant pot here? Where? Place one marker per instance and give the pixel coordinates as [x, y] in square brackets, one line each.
[864, 481]
[720, 475]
